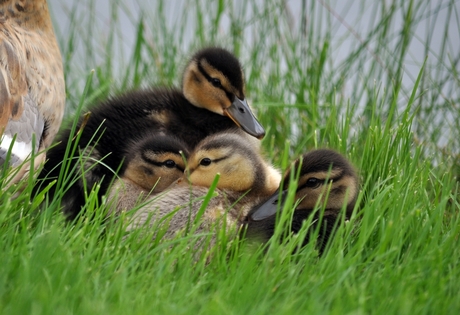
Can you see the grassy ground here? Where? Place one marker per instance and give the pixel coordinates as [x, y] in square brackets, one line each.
[398, 255]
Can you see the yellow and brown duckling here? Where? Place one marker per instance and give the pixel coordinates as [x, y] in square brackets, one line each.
[32, 89]
[327, 179]
[246, 179]
[154, 163]
[211, 100]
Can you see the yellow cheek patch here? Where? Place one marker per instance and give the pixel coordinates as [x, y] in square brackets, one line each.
[201, 93]
[342, 191]
[136, 173]
[193, 81]
[308, 197]
[148, 175]
[214, 73]
[236, 174]
[158, 177]
[202, 178]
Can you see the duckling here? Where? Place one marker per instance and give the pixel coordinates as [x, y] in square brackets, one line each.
[326, 179]
[245, 180]
[154, 163]
[32, 89]
[212, 100]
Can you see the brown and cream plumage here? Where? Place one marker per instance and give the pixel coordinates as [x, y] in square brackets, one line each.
[327, 179]
[245, 180]
[211, 100]
[154, 163]
[32, 89]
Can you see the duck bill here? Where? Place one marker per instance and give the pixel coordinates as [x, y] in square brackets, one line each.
[269, 207]
[242, 115]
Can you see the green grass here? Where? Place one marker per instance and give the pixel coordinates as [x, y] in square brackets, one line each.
[398, 255]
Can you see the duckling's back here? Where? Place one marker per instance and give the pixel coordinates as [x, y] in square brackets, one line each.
[177, 209]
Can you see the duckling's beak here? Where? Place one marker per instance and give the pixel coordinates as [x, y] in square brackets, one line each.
[242, 115]
[269, 207]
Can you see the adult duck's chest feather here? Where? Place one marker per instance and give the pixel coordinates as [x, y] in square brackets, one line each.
[32, 85]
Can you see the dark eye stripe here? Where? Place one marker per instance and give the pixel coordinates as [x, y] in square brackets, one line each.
[210, 79]
[322, 181]
[216, 160]
[158, 163]
[222, 158]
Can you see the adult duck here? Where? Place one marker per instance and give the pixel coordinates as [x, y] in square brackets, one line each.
[32, 89]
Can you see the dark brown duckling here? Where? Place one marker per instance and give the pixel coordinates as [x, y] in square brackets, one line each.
[326, 179]
[212, 100]
[153, 164]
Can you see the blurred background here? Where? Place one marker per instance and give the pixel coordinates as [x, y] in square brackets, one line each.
[300, 57]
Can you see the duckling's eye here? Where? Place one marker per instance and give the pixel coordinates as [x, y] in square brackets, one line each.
[216, 82]
[169, 163]
[312, 182]
[205, 162]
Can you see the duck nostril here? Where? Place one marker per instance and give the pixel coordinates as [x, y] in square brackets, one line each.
[242, 110]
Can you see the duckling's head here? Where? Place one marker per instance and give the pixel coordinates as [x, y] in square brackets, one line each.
[326, 177]
[214, 80]
[156, 160]
[239, 164]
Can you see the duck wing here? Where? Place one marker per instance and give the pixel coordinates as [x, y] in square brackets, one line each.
[13, 85]
[22, 135]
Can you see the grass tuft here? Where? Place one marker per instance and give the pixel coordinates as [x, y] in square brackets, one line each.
[319, 74]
